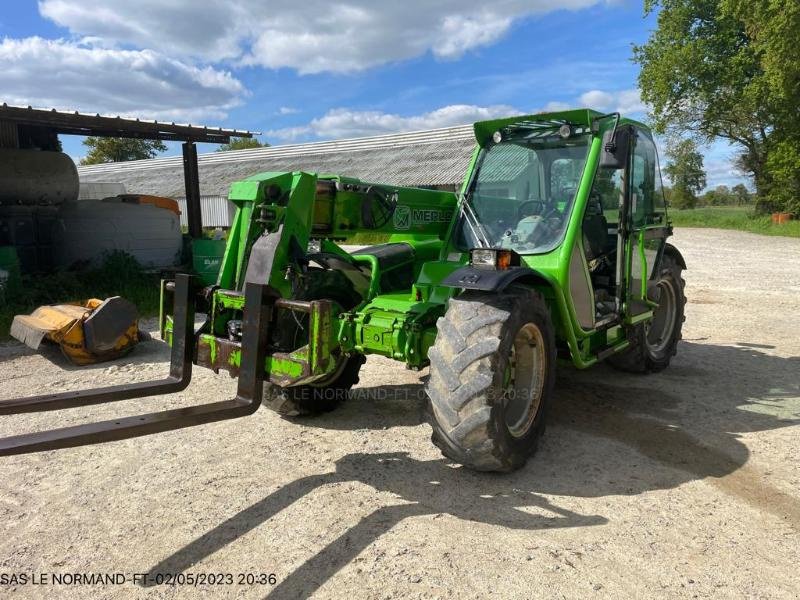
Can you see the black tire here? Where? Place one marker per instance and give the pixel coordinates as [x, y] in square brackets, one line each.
[468, 388]
[652, 344]
[311, 399]
[325, 395]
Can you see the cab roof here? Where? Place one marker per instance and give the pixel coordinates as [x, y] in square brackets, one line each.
[582, 117]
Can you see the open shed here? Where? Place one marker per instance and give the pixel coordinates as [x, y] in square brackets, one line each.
[27, 128]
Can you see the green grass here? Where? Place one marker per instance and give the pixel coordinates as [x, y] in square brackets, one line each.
[118, 275]
[733, 217]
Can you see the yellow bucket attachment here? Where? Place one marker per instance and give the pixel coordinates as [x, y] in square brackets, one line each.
[89, 332]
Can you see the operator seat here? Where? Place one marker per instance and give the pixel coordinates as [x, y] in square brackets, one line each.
[595, 236]
[599, 251]
[595, 231]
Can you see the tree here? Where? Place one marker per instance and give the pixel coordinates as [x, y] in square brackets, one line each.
[730, 69]
[784, 167]
[242, 144]
[741, 194]
[685, 170]
[719, 196]
[722, 195]
[110, 149]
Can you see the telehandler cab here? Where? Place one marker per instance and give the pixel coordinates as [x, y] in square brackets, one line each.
[555, 248]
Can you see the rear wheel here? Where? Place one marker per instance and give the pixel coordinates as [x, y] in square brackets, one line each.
[655, 342]
[491, 378]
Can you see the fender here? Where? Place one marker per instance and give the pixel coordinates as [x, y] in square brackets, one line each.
[673, 252]
[491, 280]
[486, 280]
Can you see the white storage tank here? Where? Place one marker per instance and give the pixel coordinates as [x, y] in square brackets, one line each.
[87, 229]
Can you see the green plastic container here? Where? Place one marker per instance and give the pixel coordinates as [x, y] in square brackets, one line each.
[9, 260]
[207, 258]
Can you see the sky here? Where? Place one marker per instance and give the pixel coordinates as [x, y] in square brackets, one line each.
[325, 69]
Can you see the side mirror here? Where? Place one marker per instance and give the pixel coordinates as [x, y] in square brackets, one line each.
[614, 154]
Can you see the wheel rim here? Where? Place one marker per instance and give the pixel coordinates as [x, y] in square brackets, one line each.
[660, 329]
[526, 373]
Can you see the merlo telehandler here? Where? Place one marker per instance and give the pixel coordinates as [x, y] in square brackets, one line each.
[554, 249]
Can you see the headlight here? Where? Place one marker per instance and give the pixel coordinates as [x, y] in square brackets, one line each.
[483, 258]
[490, 258]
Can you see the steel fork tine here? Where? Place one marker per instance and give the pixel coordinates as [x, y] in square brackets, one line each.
[257, 314]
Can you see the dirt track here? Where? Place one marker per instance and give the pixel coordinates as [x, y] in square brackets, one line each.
[682, 484]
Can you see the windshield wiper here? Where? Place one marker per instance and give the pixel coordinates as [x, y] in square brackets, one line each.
[478, 231]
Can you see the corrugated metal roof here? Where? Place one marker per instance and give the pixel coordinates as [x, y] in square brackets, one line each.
[78, 123]
[434, 157]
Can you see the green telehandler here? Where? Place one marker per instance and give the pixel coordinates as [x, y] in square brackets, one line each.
[554, 249]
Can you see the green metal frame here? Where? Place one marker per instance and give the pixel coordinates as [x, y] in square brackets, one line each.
[294, 208]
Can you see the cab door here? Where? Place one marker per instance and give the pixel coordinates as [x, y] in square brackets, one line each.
[646, 228]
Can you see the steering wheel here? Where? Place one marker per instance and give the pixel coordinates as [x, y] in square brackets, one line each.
[521, 212]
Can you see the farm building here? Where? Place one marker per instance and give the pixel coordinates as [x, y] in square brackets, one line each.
[49, 219]
[436, 158]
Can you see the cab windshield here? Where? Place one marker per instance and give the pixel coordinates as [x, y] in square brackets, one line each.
[523, 193]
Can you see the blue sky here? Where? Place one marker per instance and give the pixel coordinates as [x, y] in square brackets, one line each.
[318, 69]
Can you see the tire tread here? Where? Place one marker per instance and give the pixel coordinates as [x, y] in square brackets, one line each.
[462, 378]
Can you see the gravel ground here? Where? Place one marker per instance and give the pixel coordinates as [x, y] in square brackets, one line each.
[680, 484]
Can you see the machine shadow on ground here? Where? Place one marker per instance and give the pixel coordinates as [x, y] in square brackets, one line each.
[427, 488]
[666, 429]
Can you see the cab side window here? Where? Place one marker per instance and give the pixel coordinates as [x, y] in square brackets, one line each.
[647, 196]
[564, 173]
[606, 194]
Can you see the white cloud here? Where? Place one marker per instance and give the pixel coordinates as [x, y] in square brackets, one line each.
[630, 102]
[182, 27]
[597, 98]
[460, 33]
[288, 110]
[626, 102]
[722, 172]
[556, 106]
[347, 123]
[344, 123]
[75, 75]
[718, 161]
[311, 36]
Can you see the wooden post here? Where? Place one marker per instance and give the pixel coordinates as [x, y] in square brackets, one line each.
[191, 178]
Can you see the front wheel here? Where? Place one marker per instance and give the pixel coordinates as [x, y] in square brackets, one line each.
[491, 378]
[292, 332]
[315, 398]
